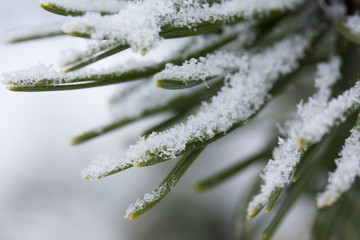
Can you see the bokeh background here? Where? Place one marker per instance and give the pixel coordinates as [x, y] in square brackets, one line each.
[42, 195]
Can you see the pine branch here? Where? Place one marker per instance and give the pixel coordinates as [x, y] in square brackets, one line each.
[209, 124]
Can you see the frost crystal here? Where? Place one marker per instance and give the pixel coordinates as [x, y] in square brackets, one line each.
[348, 167]
[244, 94]
[287, 154]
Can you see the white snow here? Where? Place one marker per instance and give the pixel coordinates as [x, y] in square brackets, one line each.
[348, 167]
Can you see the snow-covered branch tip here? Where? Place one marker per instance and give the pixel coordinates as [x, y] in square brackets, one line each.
[277, 173]
[347, 168]
[287, 154]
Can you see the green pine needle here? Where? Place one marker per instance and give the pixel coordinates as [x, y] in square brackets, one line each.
[229, 172]
[167, 184]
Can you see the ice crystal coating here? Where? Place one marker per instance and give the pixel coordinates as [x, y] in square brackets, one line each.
[353, 23]
[139, 23]
[243, 95]
[288, 152]
[348, 167]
